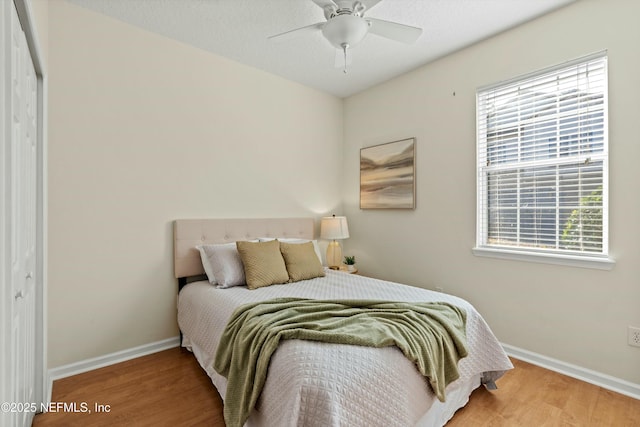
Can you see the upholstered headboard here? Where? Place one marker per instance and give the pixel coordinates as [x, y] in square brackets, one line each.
[188, 233]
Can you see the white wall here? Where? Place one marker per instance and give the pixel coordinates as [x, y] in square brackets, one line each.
[144, 130]
[579, 316]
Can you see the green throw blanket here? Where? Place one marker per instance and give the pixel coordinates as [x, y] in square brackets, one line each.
[432, 335]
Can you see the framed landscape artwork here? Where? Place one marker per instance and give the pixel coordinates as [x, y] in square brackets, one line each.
[387, 175]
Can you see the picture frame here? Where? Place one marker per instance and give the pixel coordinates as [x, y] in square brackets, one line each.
[387, 175]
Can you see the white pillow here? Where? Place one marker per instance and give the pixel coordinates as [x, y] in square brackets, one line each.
[316, 248]
[223, 264]
[206, 264]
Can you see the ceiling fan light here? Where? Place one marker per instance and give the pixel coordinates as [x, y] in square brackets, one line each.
[345, 29]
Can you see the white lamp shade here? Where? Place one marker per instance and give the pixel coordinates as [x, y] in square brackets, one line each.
[334, 227]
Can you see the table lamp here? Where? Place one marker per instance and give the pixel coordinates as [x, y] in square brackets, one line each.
[334, 228]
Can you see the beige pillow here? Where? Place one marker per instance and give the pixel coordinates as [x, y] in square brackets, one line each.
[263, 263]
[301, 261]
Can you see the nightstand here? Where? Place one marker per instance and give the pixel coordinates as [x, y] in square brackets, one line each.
[345, 269]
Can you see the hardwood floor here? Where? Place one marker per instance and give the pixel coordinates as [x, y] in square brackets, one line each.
[163, 389]
[532, 396]
[170, 389]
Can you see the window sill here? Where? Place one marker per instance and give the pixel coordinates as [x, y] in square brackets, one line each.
[599, 263]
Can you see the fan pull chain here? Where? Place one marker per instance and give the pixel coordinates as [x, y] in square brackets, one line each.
[345, 46]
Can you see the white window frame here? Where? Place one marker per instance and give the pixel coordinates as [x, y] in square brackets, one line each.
[598, 260]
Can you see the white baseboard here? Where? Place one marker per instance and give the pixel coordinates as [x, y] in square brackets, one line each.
[593, 377]
[108, 359]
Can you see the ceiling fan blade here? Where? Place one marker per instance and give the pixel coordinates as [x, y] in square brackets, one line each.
[288, 35]
[368, 4]
[322, 4]
[394, 31]
[328, 7]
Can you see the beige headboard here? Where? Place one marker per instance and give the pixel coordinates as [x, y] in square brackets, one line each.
[188, 233]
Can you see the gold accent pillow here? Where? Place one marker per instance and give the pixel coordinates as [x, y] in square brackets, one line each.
[301, 261]
[263, 263]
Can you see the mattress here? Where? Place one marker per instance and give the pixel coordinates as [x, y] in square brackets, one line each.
[320, 384]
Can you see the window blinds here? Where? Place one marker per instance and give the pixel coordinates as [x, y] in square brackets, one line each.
[542, 160]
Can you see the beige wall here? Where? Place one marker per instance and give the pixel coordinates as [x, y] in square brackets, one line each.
[579, 316]
[143, 130]
[40, 10]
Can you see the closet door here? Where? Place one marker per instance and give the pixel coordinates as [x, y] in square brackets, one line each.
[22, 122]
[21, 270]
[5, 238]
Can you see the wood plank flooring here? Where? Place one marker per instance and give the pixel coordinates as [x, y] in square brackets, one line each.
[170, 389]
[167, 388]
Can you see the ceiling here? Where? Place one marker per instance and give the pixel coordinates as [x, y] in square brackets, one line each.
[238, 30]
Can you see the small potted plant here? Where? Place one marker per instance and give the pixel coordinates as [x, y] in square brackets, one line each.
[350, 261]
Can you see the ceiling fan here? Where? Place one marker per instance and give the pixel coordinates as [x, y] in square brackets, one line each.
[346, 25]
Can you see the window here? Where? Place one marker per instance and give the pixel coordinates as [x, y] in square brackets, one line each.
[542, 166]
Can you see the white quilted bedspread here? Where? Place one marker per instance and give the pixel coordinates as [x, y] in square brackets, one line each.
[320, 384]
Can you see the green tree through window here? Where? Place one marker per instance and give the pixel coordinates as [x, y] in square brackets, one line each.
[583, 229]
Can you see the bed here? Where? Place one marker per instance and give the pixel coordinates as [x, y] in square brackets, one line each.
[315, 383]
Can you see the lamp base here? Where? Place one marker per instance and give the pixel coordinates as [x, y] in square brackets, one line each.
[334, 255]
